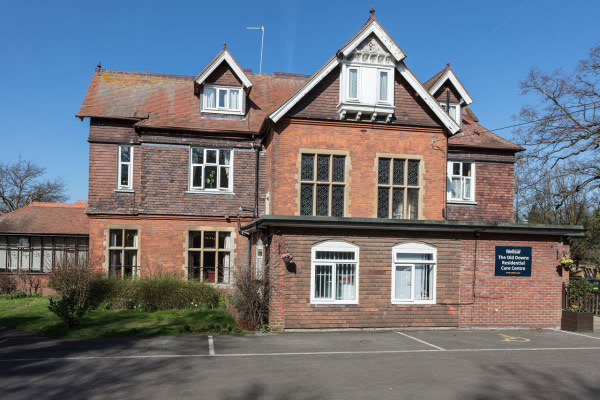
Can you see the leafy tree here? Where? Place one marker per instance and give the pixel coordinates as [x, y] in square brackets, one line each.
[563, 129]
[22, 180]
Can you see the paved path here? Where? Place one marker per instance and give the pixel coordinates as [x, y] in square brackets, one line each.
[410, 364]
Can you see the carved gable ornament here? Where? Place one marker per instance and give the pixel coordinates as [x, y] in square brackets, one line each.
[371, 51]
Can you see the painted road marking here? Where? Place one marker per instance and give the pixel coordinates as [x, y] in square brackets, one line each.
[514, 339]
[211, 346]
[419, 340]
[315, 353]
[578, 334]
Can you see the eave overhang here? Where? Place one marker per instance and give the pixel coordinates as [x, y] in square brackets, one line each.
[413, 225]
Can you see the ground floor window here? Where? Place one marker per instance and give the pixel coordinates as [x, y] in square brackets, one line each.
[413, 274]
[334, 273]
[123, 253]
[209, 255]
[40, 253]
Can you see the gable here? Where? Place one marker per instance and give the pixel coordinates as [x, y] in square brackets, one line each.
[223, 75]
[321, 103]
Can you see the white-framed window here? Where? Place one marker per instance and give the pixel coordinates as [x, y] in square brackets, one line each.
[334, 273]
[259, 258]
[461, 182]
[124, 169]
[454, 111]
[222, 99]
[413, 273]
[368, 85]
[123, 253]
[211, 169]
[209, 255]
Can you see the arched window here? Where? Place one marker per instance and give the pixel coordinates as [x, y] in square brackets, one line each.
[413, 273]
[334, 273]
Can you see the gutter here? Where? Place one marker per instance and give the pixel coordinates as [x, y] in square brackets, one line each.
[414, 225]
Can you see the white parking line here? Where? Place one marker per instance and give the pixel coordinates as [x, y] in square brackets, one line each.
[315, 353]
[211, 346]
[421, 341]
[578, 334]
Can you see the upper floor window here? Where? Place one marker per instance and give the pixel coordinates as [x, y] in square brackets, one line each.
[461, 183]
[398, 188]
[124, 167]
[210, 169]
[413, 275]
[222, 99]
[334, 273]
[453, 110]
[367, 85]
[322, 185]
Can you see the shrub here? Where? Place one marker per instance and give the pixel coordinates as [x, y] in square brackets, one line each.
[7, 284]
[71, 280]
[250, 300]
[15, 294]
[579, 291]
[164, 293]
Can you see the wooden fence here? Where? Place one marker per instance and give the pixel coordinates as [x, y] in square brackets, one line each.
[591, 304]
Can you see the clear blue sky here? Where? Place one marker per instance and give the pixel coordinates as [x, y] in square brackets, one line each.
[50, 49]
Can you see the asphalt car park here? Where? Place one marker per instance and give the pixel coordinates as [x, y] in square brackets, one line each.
[452, 363]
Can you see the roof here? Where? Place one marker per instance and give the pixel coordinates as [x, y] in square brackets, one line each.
[444, 75]
[223, 57]
[168, 101]
[474, 135]
[47, 219]
[414, 225]
[372, 26]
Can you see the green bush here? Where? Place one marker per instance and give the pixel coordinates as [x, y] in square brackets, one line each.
[69, 308]
[165, 293]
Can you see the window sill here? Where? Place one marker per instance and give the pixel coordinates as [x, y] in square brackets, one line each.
[217, 111]
[124, 191]
[333, 303]
[210, 192]
[417, 302]
[463, 202]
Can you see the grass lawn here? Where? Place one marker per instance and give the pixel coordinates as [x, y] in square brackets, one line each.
[32, 315]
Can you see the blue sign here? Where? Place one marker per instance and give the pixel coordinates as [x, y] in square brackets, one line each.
[513, 261]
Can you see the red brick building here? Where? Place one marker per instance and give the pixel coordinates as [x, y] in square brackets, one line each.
[393, 202]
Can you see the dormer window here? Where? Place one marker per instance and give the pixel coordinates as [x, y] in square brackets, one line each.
[367, 83]
[453, 110]
[219, 99]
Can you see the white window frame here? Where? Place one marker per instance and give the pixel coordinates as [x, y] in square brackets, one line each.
[359, 99]
[225, 109]
[451, 175]
[457, 116]
[204, 164]
[259, 259]
[414, 248]
[129, 165]
[334, 245]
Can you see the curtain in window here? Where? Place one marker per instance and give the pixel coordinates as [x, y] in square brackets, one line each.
[456, 188]
[422, 282]
[346, 285]
[383, 85]
[234, 96]
[353, 83]
[210, 98]
[403, 282]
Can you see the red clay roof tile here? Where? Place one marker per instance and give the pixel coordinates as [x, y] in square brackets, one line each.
[47, 219]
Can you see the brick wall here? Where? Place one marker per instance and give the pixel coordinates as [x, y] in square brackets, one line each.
[161, 176]
[511, 301]
[498, 302]
[362, 142]
[494, 189]
[162, 241]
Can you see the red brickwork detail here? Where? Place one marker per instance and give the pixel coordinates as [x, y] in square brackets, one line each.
[362, 142]
[162, 242]
[511, 301]
[493, 194]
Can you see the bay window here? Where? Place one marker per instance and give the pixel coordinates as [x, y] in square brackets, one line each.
[413, 273]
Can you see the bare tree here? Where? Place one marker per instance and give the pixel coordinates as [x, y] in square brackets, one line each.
[22, 180]
[563, 129]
